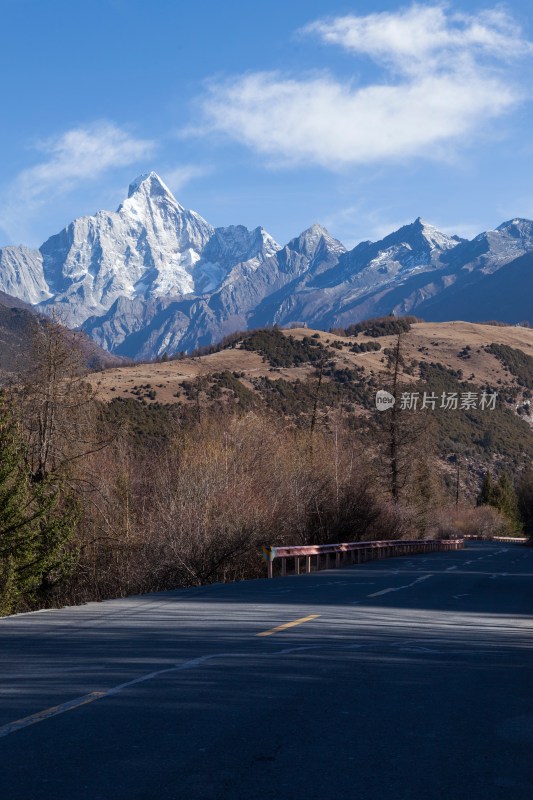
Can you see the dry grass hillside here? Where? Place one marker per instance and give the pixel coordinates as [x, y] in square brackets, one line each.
[458, 346]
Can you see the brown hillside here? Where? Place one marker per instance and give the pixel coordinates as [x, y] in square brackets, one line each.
[430, 342]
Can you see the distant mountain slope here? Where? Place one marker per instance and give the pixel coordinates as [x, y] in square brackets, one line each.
[153, 277]
[503, 295]
[17, 320]
[15, 323]
[9, 301]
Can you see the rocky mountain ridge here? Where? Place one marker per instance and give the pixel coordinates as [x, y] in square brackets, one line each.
[153, 277]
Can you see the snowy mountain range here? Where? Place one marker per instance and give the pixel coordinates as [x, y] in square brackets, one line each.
[154, 277]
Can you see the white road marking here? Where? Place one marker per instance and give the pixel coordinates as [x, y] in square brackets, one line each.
[449, 569]
[398, 588]
[90, 697]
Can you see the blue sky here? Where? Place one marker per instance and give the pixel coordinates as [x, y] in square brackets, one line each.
[358, 115]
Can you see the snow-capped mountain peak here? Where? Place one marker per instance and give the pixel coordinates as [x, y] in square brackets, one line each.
[154, 277]
[310, 241]
[413, 246]
[421, 232]
[518, 229]
[149, 196]
[150, 247]
[149, 191]
[491, 249]
[151, 202]
[151, 184]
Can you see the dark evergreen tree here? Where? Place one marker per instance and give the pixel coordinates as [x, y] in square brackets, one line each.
[486, 493]
[501, 495]
[37, 522]
[15, 527]
[525, 501]
[506, 500]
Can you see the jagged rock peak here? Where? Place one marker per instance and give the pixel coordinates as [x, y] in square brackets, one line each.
[518, 227]
[309, 241]
[150, 184]
[316, 230]
[150, 197]
[421, 230]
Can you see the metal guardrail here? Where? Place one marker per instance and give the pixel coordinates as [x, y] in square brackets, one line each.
[352, 552]
[479, 538]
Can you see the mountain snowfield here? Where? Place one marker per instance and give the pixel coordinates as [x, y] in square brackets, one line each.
[153, 277]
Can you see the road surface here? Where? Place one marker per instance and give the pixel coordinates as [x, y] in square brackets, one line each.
[403, 679]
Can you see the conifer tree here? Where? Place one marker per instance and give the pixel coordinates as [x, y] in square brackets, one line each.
[506, 500]
[15, 528]
[486, 493]
[500, 495]
[37, 522]
[525, 500]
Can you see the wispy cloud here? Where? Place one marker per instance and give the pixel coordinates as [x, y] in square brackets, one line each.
[177, 177]
[463, 230]
[74, 157]
[444, 76]
[356, 223]
[424, 37]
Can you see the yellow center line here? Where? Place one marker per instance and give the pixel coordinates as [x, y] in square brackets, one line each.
[288, 625]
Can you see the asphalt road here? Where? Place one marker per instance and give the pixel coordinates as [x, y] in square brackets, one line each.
[405, 679]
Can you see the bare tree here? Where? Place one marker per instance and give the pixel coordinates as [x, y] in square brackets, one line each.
[58, 409]
[405, 436]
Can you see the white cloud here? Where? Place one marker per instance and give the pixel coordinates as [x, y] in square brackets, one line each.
[81, 154]
[177, 177]
[425, 37]
[356, 223]
[446, 75]
[78, 155]
[464, 230]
